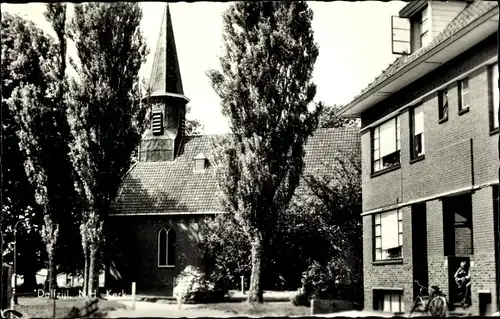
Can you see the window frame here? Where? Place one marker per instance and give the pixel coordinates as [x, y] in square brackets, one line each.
[425, 31]
[442, 115]
[169, 244]
[462, 108]
[450, 225]
[413, 156]
[379, 299]
[400, 235]
[201, 161]
[492, 87]
[376, 136]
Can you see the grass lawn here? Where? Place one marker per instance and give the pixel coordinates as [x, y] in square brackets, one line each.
[33, 307]
[265, 309]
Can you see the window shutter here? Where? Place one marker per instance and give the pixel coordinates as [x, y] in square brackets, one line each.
[401, 36]
[157, 123]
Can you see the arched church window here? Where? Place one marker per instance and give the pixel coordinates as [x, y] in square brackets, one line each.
[166, 247]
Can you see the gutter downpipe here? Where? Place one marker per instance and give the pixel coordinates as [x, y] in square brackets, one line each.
[498, 201]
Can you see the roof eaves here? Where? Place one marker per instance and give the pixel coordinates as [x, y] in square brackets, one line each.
[120, 189]
[411, 8]
[400, 67]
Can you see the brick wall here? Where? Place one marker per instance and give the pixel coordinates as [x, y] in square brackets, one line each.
[447, 165]
[483, 270]
[460, 64]
[438, 263]
[384, 275]
[142, 232]
[451, 163]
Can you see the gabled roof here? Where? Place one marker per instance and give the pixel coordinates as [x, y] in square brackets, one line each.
[200, 156]
[174, 187]
[472, 12]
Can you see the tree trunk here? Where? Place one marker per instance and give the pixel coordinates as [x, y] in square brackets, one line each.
[92, 270]
[52, 274]
[86, 272]
[95, 279]
[29, 280]
[255, 293]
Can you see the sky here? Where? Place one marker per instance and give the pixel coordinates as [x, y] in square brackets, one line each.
[354, 40]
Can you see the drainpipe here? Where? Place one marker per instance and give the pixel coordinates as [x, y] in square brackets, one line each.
[472, 163]
[1, 266]
[498, 88]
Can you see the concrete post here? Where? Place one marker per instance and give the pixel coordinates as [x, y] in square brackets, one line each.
[133, 295]
[242, 284]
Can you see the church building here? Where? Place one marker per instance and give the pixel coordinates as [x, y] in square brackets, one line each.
[172, 187]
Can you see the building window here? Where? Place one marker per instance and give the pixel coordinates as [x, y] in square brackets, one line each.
[494, 97]
[166, 248]
[157, 123]
[443, 105]
[200, 162]
[417, 133]
[425, 36]
[388, 235]
[386, 145]
[463, 95]
[388, 301]
[457, 225]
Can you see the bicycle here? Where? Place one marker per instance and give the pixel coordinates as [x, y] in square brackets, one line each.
[10, 313]
[436, 306]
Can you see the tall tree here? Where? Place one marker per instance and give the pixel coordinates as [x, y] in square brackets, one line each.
[69, 213]
[40, 114]
[17, 195]
[106, 112]
[194, 126]
[266, 92]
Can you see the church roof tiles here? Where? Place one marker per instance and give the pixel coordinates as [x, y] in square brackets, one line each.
[174, 187]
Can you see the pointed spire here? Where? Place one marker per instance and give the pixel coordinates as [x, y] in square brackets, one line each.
[165, 74]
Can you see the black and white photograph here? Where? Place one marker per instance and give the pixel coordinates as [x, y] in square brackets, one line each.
[250, 159]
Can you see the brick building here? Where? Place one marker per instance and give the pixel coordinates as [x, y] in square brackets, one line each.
[429, 141]
[172, 187]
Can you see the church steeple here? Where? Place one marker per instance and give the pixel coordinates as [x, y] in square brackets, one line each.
[165, 73]
[168, 103]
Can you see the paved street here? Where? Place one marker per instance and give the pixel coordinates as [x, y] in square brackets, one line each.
[159, 310]
[163, 310]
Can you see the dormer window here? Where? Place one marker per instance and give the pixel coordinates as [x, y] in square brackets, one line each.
[420, 28]
[425, 36]
[157, 123]
[200, 162]
[411, 30]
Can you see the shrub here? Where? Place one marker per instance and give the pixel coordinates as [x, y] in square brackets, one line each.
[226, 251]
[193, 286]
[331, 281]
[300, 298]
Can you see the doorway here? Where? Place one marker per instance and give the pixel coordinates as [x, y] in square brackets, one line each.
[419, 246]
